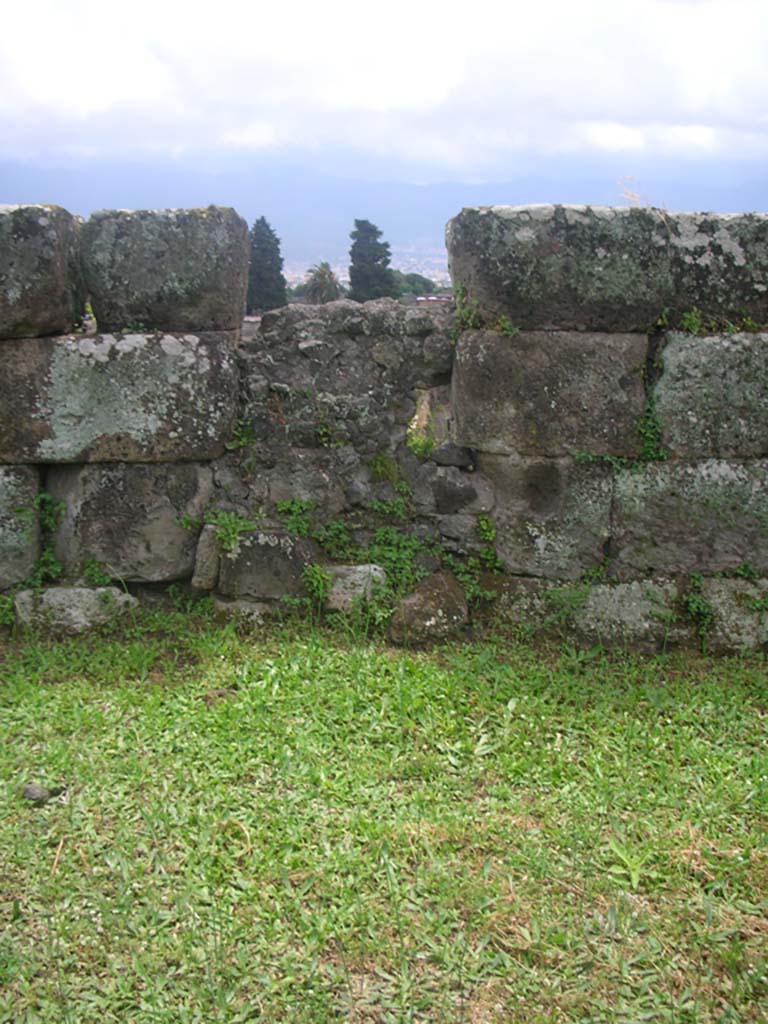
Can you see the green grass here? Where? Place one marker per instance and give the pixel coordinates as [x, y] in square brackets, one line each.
[288, 827]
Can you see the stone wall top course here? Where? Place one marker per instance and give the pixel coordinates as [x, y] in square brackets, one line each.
[172, 270]
[40, 277]
[607, 269]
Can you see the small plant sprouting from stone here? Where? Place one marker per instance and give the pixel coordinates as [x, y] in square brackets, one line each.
[229, 526]
[650, 431]
[468, 316]
[506, 327]
[486, 531]
[699, 609]
[95, 575]
[384, 468]
[48, 512]
[317, 583]
[393, 508]
[243, 435]
[326, 437]
[296, 516]
[335, 540]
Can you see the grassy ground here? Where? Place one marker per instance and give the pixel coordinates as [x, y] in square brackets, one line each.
[296, 828]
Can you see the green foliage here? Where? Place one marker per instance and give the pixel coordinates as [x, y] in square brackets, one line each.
[699, 609]
[45, 570]
[505, 327]
[384, 467]
[392, 508]
[396, 552]
[413, 284]
[335, 540]
[322, 285]
[49, 512]
[370, 276]
[468, 316]
[745, 571]
[266, 283]
[649, 428]
[695, 321]
[230, 525]
[326, 437]
[243, 435]
[317, 583]
[95, 575]
[296, 515]
[486, 528]
[420, 444]
[7, 614]
[468, 572]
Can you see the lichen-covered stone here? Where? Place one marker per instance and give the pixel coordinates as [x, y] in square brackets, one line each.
[128, 518]
[607, 269]
[351, 584]
[170, 270]
[40, 279]
[265, 565]
[552, 516]
[109, 398]
[711, 397]
[436, 609]
[675, 518]
[19, 523]
[549, 392]
[71, 610]
[642, 615]
[739, 614]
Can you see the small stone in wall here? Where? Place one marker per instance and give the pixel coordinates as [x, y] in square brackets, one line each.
[351, 583]
[70, 610]
[436, 609]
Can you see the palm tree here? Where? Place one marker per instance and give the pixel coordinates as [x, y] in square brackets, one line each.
[322, 284]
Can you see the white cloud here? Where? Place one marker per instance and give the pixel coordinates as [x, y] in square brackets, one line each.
[457, 88]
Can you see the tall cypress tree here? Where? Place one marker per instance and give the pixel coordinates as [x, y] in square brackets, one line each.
[369, 273]
[266, 284]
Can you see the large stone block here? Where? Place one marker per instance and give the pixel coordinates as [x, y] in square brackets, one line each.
[607, 269]
[679, 518]
[552, 516]
[643, 615]
[71, 610]
[711, 398]
[19, 523]
[40, 279]
[173, 270]
[132, 397]
[549, 393]
[128, 518]
[266, 565]
[739, 614]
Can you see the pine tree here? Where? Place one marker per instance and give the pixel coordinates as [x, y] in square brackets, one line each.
[266, 284]
[322, 284]
[369, 273]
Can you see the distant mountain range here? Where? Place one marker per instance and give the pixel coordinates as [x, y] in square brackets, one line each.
[313, 211]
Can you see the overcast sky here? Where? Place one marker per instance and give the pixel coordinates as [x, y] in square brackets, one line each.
[420, 90]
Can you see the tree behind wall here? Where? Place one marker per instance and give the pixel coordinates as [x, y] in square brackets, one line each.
[369, 273]
[266, 284]
[322, 285]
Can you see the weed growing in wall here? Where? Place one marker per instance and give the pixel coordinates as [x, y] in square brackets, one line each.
[296, 516]
[698, 609]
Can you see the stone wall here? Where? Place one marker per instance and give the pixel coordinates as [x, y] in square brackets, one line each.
[584, 438]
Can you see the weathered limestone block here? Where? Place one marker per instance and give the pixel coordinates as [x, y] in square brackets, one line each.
[552, 515]
[266, 565]
[607, 269]
[642, 615]
[71, 610]
[740, 614]
[19, 524]
[172, 270]
[40, 279]
[549, 393]
[436, 609]
[675, 518]
[351, 584]
[127, 517]
[109, 398]
[711, 398]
